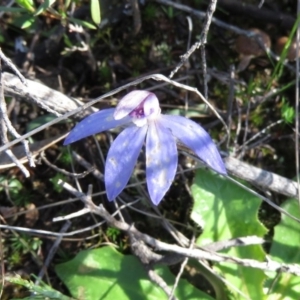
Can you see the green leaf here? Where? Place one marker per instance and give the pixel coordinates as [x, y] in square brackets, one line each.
[287, 112]
[12, 9]
[57, 187]
[27, 4]
[195, 112]
[82, 23]
[95, 11]
[44, 6]
[39, 121]
[67, 4]
[226, 211]
[23, 21]
[278, 70]
[107, 274]
[12, 184]
[27, 23]
[285, 248]
[67, 41]
[42, 291]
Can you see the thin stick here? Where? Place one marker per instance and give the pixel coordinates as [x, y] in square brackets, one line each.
[238, 127]
[4, 116]
[246, 127]
[4, 123]
[51, 253]
[9, 63]
[137, 21]
[62, 171]
[191, 253]
[261, 132]
[230, 103]
[79, 159]
[201, 43]
[182, 266]
[76, 214]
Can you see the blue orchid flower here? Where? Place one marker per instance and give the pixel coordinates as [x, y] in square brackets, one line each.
[140, 111]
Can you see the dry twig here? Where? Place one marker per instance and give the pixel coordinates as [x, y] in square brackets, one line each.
[190, 253]
[51, 253]
[5, 124]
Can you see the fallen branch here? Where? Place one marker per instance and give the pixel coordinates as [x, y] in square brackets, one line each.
[41, 95]
[157, 245]
[266, 180]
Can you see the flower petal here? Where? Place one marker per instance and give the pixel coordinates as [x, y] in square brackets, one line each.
[151, 106]
[97, 122]
[121, 159]
[161, 160]
[196, 138]
[129, 102]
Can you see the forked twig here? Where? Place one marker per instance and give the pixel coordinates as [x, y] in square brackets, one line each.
[191, 253]
[9, 63]
[201, 43]
[182, 266]
[5, 124]
[62, 171]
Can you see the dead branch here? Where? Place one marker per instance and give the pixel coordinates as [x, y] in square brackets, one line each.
[266, 180]
[201, 43]
[41, 95]
[198, 254]
[51, 253]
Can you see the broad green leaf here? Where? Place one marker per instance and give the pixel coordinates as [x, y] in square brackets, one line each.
[105, 273]
[96, 11]
[82, 23]
[226, 211]
[44, 6]
[285, 248]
